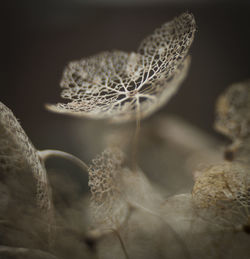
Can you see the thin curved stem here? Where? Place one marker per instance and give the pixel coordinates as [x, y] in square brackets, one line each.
[135, 142]
[135, 145]
[48, 153]
[97, 234]
[121, 242]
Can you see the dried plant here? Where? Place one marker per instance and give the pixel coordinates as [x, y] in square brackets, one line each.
[130, 217]
[224, 190]
[22, 166]
[123, 86]
[18, 154]
[233, 120]
[109, 207]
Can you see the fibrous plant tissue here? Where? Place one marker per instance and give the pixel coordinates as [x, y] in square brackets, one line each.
[127, 213]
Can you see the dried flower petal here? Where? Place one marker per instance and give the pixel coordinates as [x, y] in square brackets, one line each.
[107, 203]
[18, 154]
[225, 188]
[124, 86]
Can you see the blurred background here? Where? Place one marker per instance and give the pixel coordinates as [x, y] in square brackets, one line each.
[40, 37]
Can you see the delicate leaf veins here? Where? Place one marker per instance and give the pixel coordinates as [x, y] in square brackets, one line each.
[124, 86]
[18, 154]
[107, 202]
[225, 189]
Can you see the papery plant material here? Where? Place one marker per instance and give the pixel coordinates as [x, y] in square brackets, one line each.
[203, 234]
[17, 154]
[116, 189]
[224, 188]
[233, 111]
[124, 86]
[108, 205]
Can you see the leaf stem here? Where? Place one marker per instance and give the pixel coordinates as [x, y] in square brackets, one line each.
[121, 242]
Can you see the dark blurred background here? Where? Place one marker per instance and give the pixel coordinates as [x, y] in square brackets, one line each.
[40, 37]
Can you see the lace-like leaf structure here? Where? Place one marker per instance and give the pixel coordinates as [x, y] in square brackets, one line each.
[18, 154]
[108, 205]
[233, 111]
[224, 189]
[124, 86]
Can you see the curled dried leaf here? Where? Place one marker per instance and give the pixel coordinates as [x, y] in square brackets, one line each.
[17, 154]
[124, 86]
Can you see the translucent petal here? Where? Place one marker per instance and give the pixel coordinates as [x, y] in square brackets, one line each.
[108, 205]
[17, 154]
[124, 86]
